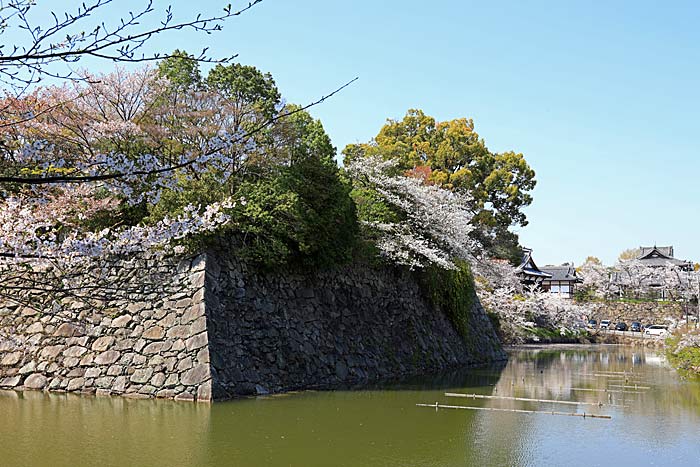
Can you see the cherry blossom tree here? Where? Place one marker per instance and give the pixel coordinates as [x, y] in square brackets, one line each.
[87, 133]
[597, 279]
[432, 225]
[109, 147]
[502, 292]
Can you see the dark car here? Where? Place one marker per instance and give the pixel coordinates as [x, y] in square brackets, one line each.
[621, 326]
[592, 324]
[636, 326]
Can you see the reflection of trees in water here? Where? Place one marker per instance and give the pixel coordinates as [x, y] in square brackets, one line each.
[500, 439]
[553, 373]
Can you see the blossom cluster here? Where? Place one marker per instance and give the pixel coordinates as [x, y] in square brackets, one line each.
[435, 223]
[691, 340]
[502, 292]
[25, 234]
[634, 277]
[110, 142]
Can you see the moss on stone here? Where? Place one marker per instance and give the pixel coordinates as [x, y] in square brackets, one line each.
[453, 292]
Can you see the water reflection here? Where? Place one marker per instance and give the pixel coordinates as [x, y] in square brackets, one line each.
[381, 426]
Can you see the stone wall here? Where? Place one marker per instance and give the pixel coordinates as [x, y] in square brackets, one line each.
[211, 328]
[271, 332]
[150, 341]
[645, 312]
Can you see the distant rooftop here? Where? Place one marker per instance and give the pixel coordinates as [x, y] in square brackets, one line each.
[565, 272]
[664, 250]
[660, 256]
[528, 268]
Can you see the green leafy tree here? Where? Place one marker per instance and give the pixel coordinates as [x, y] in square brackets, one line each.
[254, 93]
[458, 158]
[296, 205]
[312, 173]
[181, 69]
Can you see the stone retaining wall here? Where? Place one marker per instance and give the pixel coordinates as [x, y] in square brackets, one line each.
[210, 328]
[271, 332]
[645, 312]
[151, 342]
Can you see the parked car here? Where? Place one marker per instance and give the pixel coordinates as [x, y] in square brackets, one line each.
[636, 326]
[605, 324]
[656, 330]
[621, 326]
[592, 324]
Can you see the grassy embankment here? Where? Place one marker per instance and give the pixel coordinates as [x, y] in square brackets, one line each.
[683, 352]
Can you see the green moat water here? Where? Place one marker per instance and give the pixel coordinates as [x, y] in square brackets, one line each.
[382, 426]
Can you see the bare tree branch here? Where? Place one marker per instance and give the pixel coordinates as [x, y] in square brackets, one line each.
[67, 41]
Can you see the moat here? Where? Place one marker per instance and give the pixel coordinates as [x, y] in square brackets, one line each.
[382, 426]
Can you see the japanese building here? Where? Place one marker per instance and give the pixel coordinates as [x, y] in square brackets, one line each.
[654, 256]
[563, 280]
[559, 280]
[528, 272]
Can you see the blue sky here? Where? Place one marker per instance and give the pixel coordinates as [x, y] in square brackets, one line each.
[600, 97]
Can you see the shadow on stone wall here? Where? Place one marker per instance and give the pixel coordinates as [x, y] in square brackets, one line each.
[280, 331]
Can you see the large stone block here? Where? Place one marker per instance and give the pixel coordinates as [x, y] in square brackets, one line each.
[196, 342]
[75, 384]
[196, 375]
[35, 381]
[75, 351]
[34, 328]
[142, 375]
[154, 333]
[107, 357]
[121, 321]
[10, 382]
[11, 359]
[153, 348]
[102, 343]
[68, 330]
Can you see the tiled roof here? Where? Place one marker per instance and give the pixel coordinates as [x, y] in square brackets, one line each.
[564, 272]
[528, 266]
[663, 261]
[535, 272]
[664, 250]
[660, 256]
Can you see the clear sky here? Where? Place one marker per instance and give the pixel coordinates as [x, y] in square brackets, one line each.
[602, 97]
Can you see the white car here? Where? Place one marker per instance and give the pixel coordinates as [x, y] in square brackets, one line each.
[656, 330]
[605, 324]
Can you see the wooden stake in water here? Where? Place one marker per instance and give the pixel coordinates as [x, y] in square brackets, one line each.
[606, 390]
[628, 387]
[492, 409]
[626, 373]
[524, 399]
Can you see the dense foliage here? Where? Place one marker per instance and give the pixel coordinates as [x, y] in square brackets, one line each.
[452, 155]
[452, 291]
[171, 155]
